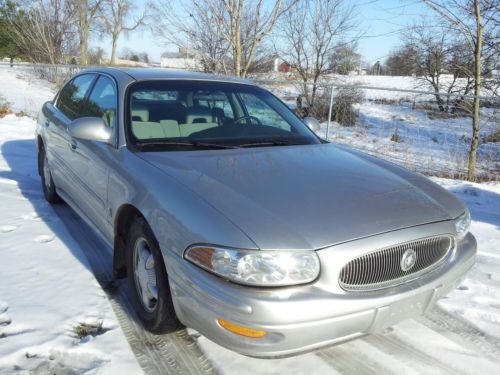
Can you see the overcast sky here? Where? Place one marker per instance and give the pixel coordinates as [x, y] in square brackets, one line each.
[380, 21]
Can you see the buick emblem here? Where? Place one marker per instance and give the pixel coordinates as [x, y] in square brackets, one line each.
[408, 260]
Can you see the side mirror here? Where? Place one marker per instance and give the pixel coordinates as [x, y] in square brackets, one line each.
[312, 123]
[90, 128]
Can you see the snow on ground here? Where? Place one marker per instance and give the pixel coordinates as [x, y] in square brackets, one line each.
[48, 290]
[383, 85]
[478, 298]
[424, 144]
[25, 92]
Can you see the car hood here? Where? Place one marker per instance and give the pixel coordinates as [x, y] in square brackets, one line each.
[307, 197]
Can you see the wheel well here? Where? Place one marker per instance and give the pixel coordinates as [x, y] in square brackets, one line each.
[39, 142]
[126, 214]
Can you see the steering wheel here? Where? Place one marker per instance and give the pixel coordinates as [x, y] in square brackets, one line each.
[248, 117]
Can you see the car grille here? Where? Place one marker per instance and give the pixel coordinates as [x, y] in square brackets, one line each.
[384, 268]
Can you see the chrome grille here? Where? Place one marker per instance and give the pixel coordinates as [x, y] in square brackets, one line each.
[382, 268]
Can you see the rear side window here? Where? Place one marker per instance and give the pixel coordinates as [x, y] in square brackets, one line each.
[102, 101]
[72, 96]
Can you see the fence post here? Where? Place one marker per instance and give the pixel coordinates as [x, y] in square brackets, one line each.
[329, 114]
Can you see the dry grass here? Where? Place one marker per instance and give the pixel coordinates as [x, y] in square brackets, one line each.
[82, 330]
[493, 137]
[4, 107]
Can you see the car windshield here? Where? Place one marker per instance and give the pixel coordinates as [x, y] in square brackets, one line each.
[206, 114]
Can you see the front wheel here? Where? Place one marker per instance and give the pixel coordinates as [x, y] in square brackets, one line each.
[148, 280]
[48, 186]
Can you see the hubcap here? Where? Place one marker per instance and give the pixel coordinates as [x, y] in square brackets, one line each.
[46, 173]
[145, 275]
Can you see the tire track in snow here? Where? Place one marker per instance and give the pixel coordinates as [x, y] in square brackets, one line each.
[410, 355]
[347, 362]
[176, 353]
[461, 332]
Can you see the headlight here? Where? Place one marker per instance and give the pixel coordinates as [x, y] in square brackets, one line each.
[462, 224]
[257, 267]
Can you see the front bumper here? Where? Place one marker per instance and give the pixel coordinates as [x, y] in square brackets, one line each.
[308, 317]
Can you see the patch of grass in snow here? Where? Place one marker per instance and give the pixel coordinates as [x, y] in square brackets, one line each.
[22, 114]
[4, 107]
[82, 330]
[395, 137]
[493, 137]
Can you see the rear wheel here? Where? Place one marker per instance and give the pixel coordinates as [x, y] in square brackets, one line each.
[48, 186]
[148, 280]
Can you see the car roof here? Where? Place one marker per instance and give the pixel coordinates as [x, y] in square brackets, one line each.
[146, 74]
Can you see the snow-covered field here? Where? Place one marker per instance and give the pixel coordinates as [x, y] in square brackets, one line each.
[406, 127]
[48, 290]
[434, 146]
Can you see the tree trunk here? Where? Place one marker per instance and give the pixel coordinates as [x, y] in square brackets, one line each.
[237, 50]
[83, 47]
[471, 170]
[113, 50]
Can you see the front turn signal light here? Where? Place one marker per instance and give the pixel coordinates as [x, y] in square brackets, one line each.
[242, 331]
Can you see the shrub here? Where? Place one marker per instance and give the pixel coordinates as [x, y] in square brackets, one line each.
[493, 137]
[344, 100]
[343, 110]
[4, 107]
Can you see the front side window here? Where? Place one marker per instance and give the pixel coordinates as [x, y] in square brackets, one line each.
[183, 114]
[72, 96]
[102, 101]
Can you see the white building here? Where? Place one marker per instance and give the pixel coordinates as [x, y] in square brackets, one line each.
[181, 60]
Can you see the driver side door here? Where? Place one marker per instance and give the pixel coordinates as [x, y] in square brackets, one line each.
[91, 160]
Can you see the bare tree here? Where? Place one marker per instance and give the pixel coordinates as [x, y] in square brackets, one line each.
[402, 61]
[96, 56]
[248, 24]
[309, 34]
[197, 26]
[432, 51]
[345, 59]
[86, 13]
[471, 18]
[115, 15]
[221, 32]
[43, 30]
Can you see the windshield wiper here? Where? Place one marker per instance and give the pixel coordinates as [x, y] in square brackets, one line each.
[270, 142]
[194, 144]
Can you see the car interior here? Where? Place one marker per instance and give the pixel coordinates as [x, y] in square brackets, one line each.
[160, 118]
[168, 112]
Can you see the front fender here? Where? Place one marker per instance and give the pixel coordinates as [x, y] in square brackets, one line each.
[177, 216]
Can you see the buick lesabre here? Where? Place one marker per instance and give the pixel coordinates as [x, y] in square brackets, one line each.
[228, 214]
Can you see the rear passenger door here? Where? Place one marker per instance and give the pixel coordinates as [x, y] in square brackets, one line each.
[91, 160]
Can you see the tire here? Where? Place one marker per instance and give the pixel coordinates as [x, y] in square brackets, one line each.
[153, 304]
[48, 186]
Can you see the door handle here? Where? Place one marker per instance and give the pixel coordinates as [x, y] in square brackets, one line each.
[73, 144]
[47, 123]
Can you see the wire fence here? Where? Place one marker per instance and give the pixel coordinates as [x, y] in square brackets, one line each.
[428, 132]
[424, 131]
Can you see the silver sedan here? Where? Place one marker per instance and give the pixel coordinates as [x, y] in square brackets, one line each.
[229, 215]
